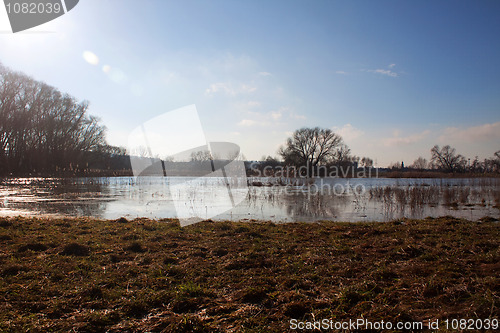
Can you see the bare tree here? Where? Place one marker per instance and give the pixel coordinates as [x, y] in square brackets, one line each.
[311, 146]
[270, 159]
[496, 161]
[447, 159]
[343, 154]
[366, 162]
[420, 163]
[476, 165]
[395, 165]
[42, 130]
[492, 164]
[201, 155]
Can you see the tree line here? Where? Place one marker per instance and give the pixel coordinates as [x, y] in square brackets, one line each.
[322, 147]
[447, 159]
[45, 132]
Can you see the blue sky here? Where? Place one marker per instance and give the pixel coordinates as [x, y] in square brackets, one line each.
[392, 77]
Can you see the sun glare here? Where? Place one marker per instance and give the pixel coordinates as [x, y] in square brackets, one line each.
[90, 57]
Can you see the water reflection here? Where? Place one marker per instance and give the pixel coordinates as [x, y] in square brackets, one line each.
[380, 199]
[80, 197]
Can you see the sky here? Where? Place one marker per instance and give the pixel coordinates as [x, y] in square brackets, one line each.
[393, 78]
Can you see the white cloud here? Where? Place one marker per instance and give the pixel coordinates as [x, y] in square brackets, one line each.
[298, 116]
[276, 114]
[481, 133]
[220, 87]
[280, 116]
[229, 89]
[264, 74]
[397, 140]
[246, 88]
[348, 132]
[341, 72]
[247, 122]
[251, 104]
[258, 119]
[387, 72]
[288, 113]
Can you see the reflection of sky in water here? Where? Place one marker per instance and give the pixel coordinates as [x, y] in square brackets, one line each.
[154, 197]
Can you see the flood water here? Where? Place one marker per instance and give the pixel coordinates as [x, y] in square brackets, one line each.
[357, 199]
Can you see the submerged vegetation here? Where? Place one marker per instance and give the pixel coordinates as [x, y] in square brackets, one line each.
[142, 275]
[414, 197]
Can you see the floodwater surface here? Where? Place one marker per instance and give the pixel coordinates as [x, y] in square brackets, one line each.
[335, 199]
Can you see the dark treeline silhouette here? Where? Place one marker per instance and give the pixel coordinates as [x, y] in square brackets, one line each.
[324, 153]
[446, 160]
[46, 132]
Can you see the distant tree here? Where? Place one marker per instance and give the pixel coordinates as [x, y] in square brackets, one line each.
[115, 151]
[447, 159]
[43, 130]
[269, 159]
[311, 146]
[395, 166]
[496, 161]
[266, 165]
[476, 165]
[342, 155]
[201, 156]
[366, 162]
[420, 163]
[492, 164]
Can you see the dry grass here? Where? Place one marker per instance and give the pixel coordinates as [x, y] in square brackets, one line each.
[151, 276]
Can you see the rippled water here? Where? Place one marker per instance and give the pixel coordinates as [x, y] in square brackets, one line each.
[360, 199]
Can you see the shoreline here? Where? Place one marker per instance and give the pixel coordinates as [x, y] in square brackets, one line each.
[146, 275]
[409, 174]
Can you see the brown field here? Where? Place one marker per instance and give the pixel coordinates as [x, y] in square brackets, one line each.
[88, 275]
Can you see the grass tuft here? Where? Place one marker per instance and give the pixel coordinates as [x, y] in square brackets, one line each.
[136, 247]
[75, 249]
[35, 247]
